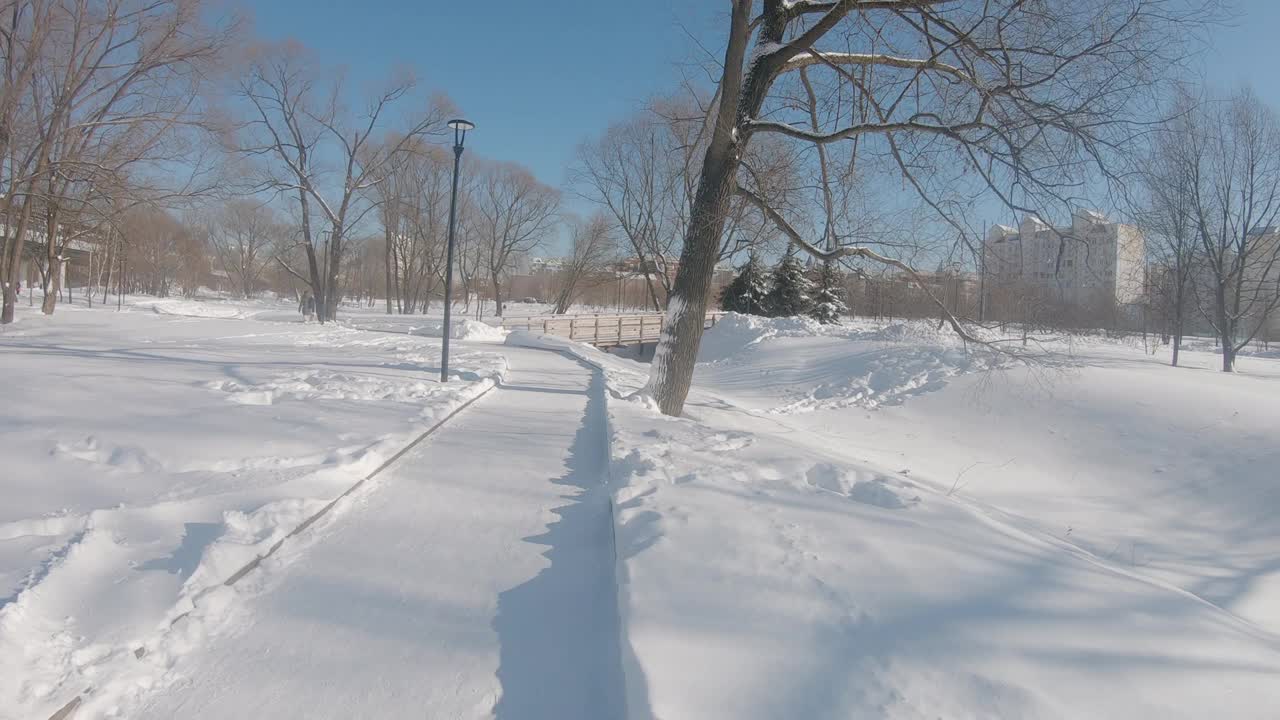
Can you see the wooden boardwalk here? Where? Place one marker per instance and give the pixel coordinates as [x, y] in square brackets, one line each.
[601, 330]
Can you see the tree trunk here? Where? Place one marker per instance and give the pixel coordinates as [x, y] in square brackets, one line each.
[14, 261]
[332, 293]
[1226, 328]
[108, 264]
[313, 268]
[386, 257]
[497, 296]
[673, 361]
[54, 284]
[10, 301]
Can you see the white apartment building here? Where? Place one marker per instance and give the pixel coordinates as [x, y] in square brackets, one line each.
[1090, 263]
[1262, 281]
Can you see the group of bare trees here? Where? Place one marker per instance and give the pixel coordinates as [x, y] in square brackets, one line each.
[304, 144]
[504, 213]
[944, 100]
[592, 249]
[1212, 205]
[413, 204]
[822, 116]
[98, 100]
[159, 140]
[246, 236]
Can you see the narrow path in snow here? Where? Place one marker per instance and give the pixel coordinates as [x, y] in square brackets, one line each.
[477, 580]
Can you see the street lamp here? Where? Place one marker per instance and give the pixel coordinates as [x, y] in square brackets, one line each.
[460, 128]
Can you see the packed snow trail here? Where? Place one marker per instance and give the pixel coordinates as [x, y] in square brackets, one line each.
[477, 580]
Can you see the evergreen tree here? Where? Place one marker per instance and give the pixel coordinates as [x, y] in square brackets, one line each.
[828, 299]
[747, 291]
[789, 291]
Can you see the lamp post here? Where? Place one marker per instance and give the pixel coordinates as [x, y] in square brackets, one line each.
[62, 275]
[460, 128]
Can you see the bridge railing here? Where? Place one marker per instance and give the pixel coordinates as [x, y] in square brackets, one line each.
[604, 330]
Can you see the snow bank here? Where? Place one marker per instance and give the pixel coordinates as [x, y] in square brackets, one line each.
[467, 329]
[221, 308]
[735, 332]
[808, 366]
[419, 326]
[531, 339]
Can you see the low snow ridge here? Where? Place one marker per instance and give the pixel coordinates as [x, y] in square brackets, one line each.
[465, 329]
[327, 385]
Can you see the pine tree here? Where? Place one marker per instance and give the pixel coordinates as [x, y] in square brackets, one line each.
[789, 291]
[747, 291]
[828, 299]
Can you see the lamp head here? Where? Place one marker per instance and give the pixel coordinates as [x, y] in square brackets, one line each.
[460, 128]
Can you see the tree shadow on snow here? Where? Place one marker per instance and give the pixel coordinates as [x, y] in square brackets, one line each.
[561, 655]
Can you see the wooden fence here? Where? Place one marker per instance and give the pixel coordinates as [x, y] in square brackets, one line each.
[600, 330]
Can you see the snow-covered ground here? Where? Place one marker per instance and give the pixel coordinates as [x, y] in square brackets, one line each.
[1171, 470]
[148, 454]
[863, 522]
[868, 520]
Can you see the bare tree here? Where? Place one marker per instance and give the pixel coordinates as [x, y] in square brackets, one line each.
[1229, 152]
[629, 171]
[469, 252]
[592, 245]
[1167, 218]
[297, 124]
[514, 213]
[644, 172]
[1006, 93]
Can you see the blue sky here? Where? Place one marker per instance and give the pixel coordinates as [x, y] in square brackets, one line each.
[540, 77]
[537, 78]
[1248, 50]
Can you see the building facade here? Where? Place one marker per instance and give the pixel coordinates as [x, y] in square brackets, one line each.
[1089, 267]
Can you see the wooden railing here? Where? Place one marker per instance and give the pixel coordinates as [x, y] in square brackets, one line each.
[601, 330]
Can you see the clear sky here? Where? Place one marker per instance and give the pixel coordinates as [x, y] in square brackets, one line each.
[538, 77]
[1247, 50]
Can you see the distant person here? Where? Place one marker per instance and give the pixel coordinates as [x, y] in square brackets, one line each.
[307, 306]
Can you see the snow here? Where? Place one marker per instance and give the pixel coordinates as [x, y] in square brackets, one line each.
[864, 519]
[150, 454]
[890, 560]
[425, 326]
[847, 365]
[420, 594]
